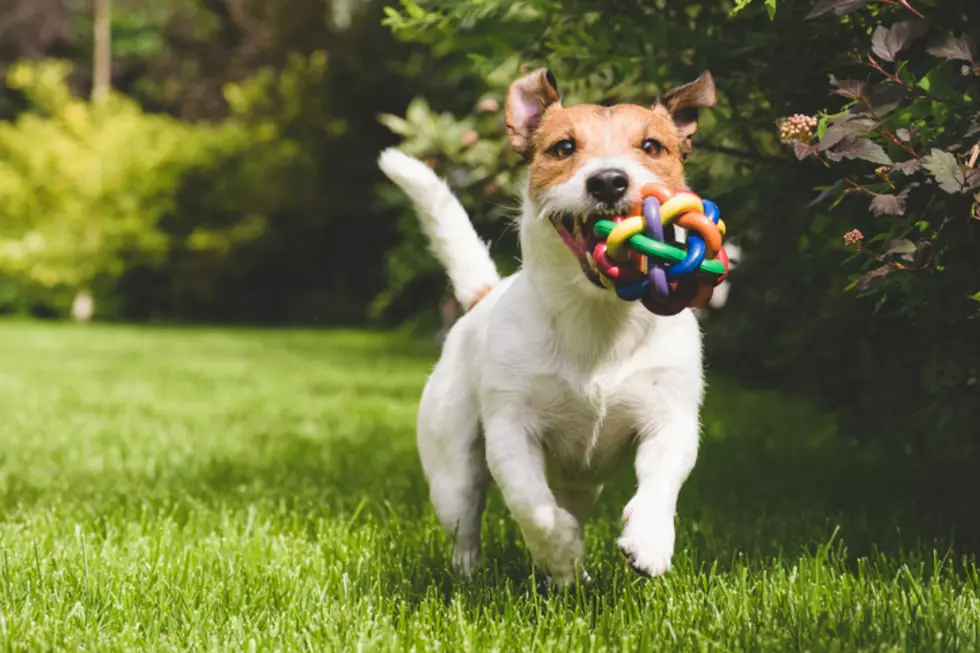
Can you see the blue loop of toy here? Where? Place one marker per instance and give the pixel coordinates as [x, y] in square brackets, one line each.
[692, 260]
[711, 211]
[633, 292]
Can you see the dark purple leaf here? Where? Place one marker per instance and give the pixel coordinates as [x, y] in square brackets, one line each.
[803, 150]
[839, 7]
[888, 205]
[972, 178]
[888, 42]
[885, 97]
[841, 128]
[859, 148]
[903, 134]
[871, 276]
[951, 48]
[923, 253]
[849, 88]
[908, 167]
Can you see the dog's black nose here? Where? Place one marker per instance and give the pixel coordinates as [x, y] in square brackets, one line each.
[607, 185]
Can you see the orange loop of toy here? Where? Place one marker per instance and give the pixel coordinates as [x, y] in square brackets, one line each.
[661, 192]
[705, 228]
[658, 191]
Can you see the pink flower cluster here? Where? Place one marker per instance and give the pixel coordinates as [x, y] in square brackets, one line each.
[853, 238]
[797, 129]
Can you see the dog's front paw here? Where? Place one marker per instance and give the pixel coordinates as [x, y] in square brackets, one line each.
[467, 560]
[555, 541]
[647, 540]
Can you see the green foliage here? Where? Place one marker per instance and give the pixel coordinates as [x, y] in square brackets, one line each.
[791, 308]
[86, 188]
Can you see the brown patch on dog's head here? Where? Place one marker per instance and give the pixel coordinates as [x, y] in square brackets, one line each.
[648, 136]
[559, 140]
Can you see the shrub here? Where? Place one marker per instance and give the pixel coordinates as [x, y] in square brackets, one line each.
[886, 333]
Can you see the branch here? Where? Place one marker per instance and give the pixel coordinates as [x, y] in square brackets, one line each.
[740, 154]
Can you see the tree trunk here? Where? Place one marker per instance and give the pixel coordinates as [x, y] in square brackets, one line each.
[83, 307]
[102, 54]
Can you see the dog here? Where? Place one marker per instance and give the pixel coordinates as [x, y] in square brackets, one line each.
[548, 380]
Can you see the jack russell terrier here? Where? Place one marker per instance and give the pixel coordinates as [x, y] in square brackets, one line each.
[548, 380]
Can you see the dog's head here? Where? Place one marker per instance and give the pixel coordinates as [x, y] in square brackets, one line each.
[589, 161]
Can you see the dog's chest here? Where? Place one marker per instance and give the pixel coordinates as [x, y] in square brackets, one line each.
[587, 422]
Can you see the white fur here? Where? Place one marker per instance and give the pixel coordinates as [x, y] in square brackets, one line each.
[720, 296]
[445, 224]
[546, 385]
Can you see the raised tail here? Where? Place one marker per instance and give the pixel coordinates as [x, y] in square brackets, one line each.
[451, 235]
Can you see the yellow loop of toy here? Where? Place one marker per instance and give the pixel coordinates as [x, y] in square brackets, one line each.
[721, 227]
[620, 235]
[679, 204]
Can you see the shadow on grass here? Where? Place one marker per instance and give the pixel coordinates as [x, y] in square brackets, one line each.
[775, 477]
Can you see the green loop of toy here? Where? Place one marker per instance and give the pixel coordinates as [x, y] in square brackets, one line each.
[658, 250]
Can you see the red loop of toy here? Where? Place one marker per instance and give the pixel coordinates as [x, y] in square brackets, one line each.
[703, 295]
[681, 294]
[618, 274]
[723, 257]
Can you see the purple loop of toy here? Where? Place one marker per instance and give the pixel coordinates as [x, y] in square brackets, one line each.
[651, 215]
[658, 282]
[654, 229]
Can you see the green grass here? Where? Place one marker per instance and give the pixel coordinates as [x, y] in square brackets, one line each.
[252, 490]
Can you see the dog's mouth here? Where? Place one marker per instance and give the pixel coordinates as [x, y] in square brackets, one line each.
[577, 231]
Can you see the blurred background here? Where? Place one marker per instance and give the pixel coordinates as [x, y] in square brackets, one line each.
[213, 161]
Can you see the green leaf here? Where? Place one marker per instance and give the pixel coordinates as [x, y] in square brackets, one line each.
[771, 8]
[951, 176]
[740, 5]
[901, 246]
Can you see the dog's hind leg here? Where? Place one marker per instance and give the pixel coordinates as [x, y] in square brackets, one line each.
[452, 452]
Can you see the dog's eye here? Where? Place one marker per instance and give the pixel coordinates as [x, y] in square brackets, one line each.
[652, 146]
[562, 149]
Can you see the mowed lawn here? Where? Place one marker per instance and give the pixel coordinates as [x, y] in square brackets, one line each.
[174, 489]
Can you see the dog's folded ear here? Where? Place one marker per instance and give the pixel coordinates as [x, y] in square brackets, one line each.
[685, 101]
[527, 100]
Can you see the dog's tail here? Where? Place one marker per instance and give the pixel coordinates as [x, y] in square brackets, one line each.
[451, 235]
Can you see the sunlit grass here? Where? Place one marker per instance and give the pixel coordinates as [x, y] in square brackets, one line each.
[221, 489]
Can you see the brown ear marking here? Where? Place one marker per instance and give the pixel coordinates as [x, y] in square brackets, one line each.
[685, 101]
[527, 100]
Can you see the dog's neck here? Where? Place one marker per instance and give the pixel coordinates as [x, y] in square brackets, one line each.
[591, 325]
